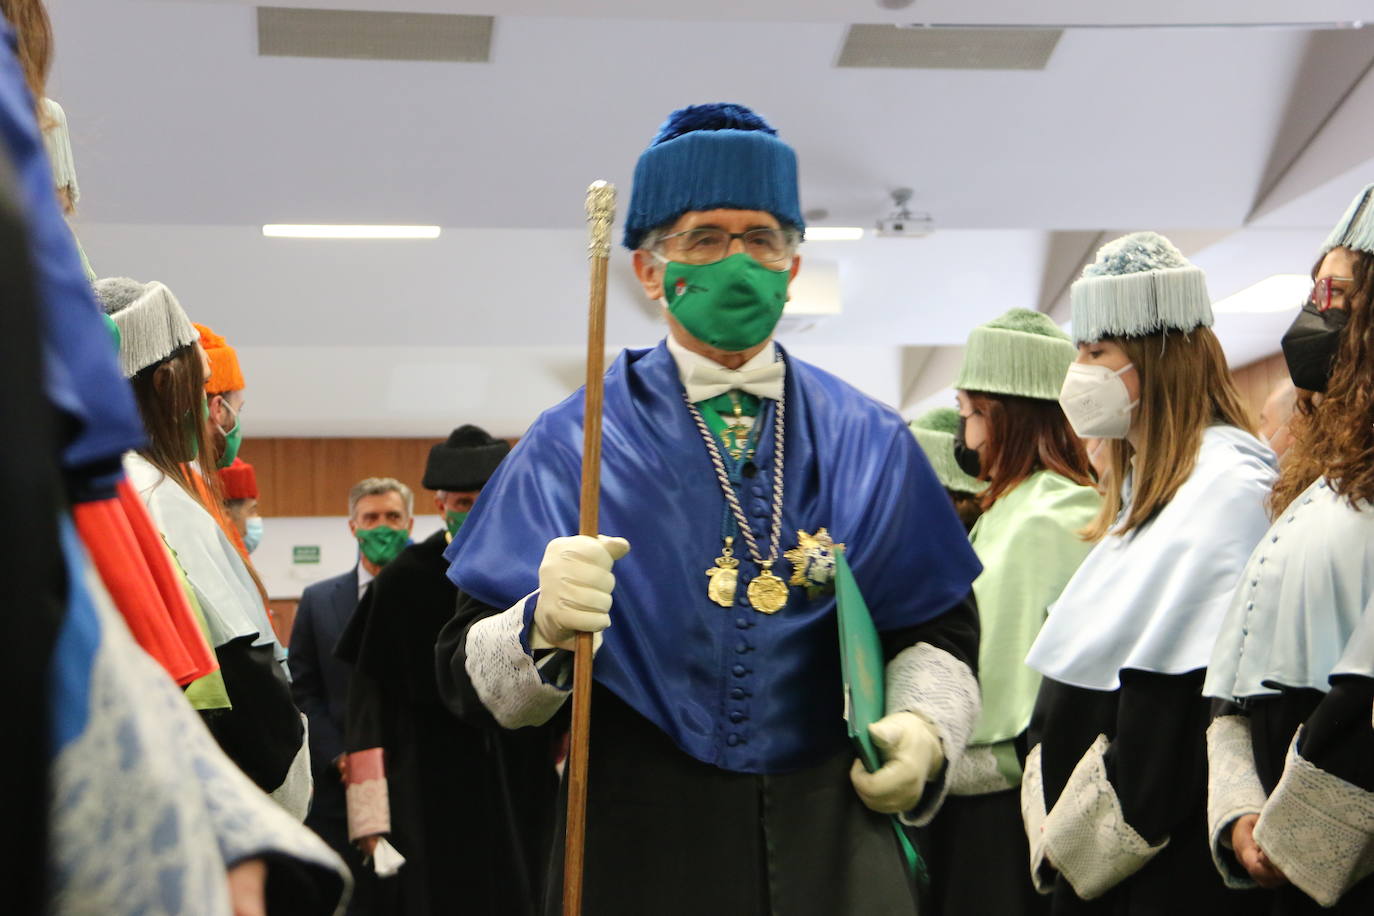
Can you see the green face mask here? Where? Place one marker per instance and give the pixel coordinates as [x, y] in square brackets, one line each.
[192, 443]
[381, 545]
[232, 440]
[453, 521]
[732, 304]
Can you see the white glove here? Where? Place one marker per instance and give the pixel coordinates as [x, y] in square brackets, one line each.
[912, 755]
[575, 584]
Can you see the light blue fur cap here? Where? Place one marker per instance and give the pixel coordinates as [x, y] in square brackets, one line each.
[1356, 229]
[1139, 284]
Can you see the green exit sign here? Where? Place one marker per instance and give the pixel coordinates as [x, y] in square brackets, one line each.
[305, 554]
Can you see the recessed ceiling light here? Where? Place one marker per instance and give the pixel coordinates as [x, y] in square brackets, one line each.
[834, 233]
[292, 231]
[1279, 293]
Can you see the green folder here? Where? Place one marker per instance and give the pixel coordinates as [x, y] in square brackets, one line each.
[864, 672]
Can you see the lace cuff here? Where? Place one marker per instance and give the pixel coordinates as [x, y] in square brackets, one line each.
[983, 770]
[1087, 837]
[1033, 816]
[504, 673]
[937, 686]
[1233, 791]
[365, 792]
[1318, 829]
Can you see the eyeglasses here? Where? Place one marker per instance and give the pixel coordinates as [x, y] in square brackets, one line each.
[1325, 294]
[708, 245]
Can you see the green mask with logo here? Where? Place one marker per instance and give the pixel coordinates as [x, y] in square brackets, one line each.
[382, 544]
[232, 440]
[731, 305]
[453, 521]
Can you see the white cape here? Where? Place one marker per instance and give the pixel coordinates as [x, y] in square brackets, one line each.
[1154, 600]
[1304, 595]
[228, 597]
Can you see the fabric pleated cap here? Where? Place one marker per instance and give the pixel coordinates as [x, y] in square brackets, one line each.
[935, 431]
[1139, 284]
[152, 324]
[239, 480]
[225, 374]
[707, 157]
[1022, 353]
[1356, 228]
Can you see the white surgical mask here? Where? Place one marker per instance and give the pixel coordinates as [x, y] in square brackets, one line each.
[1096, 401]
[252, 536]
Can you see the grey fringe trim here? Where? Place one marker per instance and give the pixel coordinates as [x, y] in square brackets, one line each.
[58, 140]
[1133, 305]
[1356, 228]
[151, 327]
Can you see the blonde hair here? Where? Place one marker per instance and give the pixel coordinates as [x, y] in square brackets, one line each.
[1185, 387]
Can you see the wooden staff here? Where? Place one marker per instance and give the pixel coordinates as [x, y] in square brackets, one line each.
[600, 214]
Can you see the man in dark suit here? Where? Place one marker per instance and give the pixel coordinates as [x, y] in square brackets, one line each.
[380, 517]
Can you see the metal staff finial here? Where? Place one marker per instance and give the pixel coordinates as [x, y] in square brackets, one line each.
[600, 216]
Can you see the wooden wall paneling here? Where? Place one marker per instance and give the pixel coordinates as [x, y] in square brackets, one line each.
[312, 477]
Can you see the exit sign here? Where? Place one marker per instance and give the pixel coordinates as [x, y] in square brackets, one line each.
[305, 554]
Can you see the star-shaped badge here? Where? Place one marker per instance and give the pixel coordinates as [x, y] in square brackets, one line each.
[813, 562]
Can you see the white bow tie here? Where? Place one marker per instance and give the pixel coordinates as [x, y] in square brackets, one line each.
[706, 382]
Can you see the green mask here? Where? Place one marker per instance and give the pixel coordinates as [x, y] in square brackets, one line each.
[732, 304]
[232, 440]
[192, 443]
[453, 521]
[382, 544]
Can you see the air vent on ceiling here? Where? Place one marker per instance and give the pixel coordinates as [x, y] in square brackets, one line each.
[947, 49]
[366, 35]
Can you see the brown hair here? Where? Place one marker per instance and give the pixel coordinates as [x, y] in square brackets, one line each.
[169, 395]
[1026, 435]
[1334, 438]
[34, 29]
[1185, 387]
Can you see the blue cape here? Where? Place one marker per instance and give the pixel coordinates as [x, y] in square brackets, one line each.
[81, 369]
[732, 687]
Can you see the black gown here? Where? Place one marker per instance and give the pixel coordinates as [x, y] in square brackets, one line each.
[472, 804]
[670, 835]
[1338, 739]
[1156, 764]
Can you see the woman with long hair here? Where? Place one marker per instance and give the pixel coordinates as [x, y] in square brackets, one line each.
[263, 732]
[1291, 750]
[934, 431]
[1039, 495]
[1115, 785]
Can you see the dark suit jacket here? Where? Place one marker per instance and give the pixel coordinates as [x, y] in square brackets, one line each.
[319, 681]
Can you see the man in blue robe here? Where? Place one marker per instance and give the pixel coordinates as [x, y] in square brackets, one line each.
[722, 780]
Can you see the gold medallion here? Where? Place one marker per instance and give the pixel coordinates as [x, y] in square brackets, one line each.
[767, 593]
[724, 577]
[813, 562]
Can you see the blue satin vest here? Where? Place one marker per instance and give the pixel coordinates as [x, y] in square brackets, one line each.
[732, 687]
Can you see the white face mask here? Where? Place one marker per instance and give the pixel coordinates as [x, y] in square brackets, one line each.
[1096, 401]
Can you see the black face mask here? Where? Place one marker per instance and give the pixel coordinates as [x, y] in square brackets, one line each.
[1310, 345]
[965, 457]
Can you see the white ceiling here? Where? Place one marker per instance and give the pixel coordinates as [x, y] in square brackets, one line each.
[187, 142]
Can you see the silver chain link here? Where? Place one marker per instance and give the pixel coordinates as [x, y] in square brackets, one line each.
[775, 535]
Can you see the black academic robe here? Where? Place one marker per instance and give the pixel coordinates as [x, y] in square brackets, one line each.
[1156, 766]
[670, 835]
[1336, 738]
[471, 803]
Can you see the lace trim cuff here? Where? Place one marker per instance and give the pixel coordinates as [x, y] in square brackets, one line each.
[504, 673]
[1318, 829]
[1087, 838]
[1233, 791]
[1033, 815]
[369, 809]
[937, 686]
